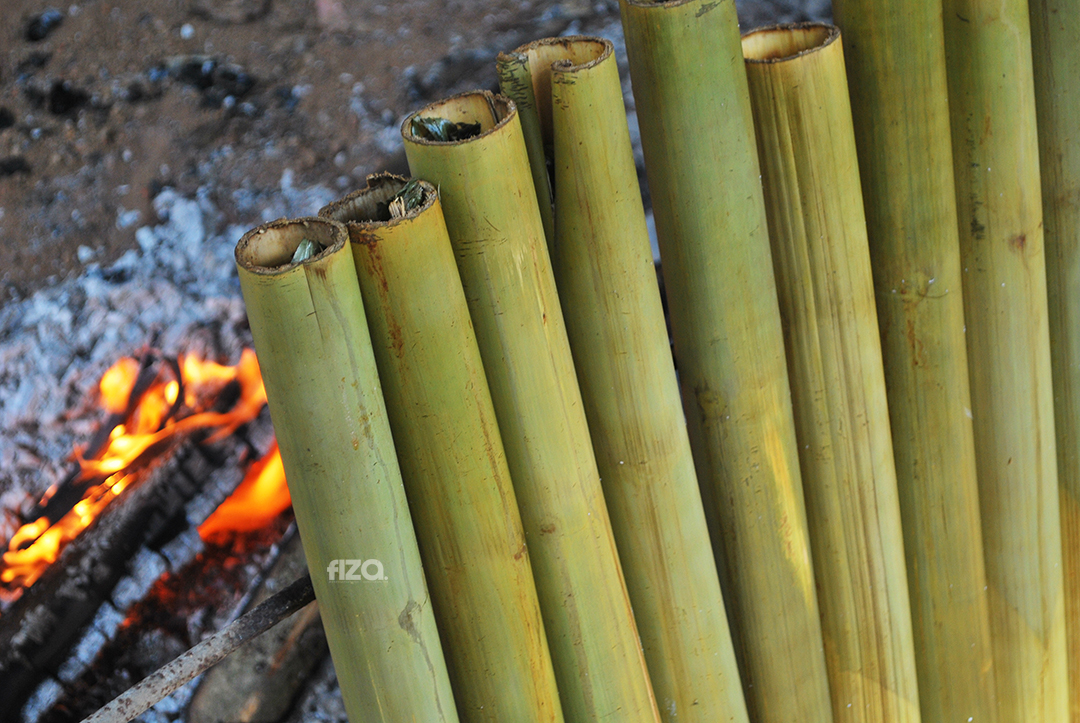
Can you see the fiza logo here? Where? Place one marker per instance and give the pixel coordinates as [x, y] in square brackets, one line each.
[355, 571]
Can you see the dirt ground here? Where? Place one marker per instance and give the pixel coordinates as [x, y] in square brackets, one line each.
[105, 102]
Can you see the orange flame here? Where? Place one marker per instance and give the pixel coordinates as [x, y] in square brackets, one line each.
[117, 383]
[261, 497]
[148, 429]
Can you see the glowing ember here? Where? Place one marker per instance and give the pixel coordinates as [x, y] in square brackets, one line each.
[150, 428]
[260, 498]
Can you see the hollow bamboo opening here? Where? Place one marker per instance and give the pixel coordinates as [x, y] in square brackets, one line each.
[778, 43]
[269, 249]
[548, 56]
[477, 106]
[362, 207]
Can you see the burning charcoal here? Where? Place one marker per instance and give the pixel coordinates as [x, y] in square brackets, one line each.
[42, 700]
[7, 118]
[146, 568]
[41, 25]
[107, 620]
[261, 680]
[220, 485]
[13, 164]
[183, 549]
[82, 655]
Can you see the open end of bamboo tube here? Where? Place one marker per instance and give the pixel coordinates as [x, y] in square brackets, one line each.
[777, 43]
[268, 249]
[363, 207]
[476, 106]
[571, 52]
[548, 56]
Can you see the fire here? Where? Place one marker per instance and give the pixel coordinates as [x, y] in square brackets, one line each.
[145, 410]
[260, 498]
[116, 384]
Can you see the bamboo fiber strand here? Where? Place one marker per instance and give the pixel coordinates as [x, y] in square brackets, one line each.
[697, 133]
[307, 321]
[607, 286]
[452, 460]
[498, 238]
[810, 176]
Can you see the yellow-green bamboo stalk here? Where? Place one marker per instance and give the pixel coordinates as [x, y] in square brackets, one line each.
[307, 321]
[697, 133]
[516, 83]
[1055, 37]
[498, 238]
[810, 176]
[452, 459]
[999, 204]
[897, 82]
[607, 285]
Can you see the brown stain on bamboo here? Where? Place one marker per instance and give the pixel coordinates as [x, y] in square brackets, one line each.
[708, 402]
[374, 264]
[1018, 243]
[918, 351]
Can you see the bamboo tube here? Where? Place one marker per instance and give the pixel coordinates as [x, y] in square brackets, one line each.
[604, 269]
[896, 77]
[452, 458]
[1055, 36]
[498, 238]
[810, 176]
[308, 325]
[697, 133]
[516, 83]
[996, 164]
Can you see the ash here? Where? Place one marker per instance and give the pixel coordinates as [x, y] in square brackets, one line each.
[178, 292]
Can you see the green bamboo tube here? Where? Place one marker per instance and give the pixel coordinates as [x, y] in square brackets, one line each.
[1055, 36]
[999, 204]
[307, 321]
[603, 266]
[516, 83]
[897, 82]
[810, 176]
[697, 133]
[452, 459]
[498, 238]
